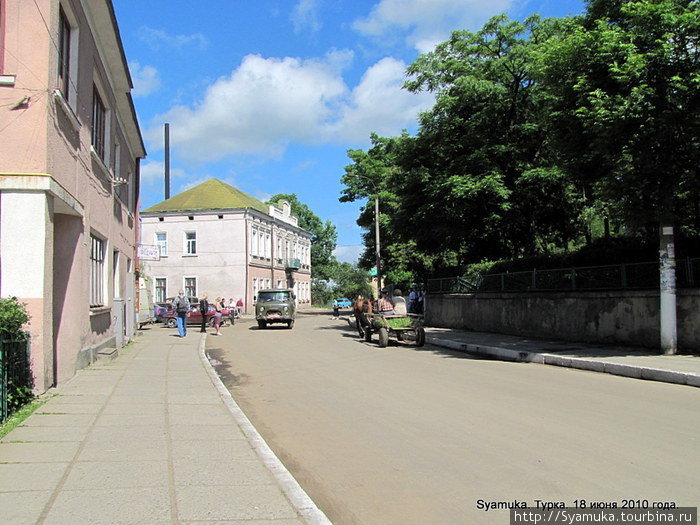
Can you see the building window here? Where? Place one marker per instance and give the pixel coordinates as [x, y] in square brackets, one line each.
[116, 274]
[162, 242]
[99, 123]
[190, 287]
[255, 288]
[97, 271]
[161, 289]
[64, 38]
[191, 243]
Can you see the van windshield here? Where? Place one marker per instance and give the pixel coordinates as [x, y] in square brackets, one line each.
[267, 297]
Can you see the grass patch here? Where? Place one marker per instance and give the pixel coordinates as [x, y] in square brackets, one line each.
[19, 416]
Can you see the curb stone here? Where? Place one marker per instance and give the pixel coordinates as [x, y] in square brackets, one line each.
[296, 495]
[592, 365]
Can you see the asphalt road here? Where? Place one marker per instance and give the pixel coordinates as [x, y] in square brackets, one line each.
[405, 435]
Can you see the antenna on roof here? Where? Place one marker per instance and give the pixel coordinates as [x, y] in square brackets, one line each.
[167, 161]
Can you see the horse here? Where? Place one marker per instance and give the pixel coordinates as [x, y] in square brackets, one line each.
[360, 308]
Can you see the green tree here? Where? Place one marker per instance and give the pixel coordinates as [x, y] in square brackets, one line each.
[324, 236]
[624, 92]
[482, 156]
[351, 281]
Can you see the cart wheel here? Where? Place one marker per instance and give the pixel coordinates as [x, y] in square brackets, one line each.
[383, 337]
[420, 336]
[368, 334]
[172, 322]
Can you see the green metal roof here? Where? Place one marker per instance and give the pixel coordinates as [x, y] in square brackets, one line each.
[210, 195]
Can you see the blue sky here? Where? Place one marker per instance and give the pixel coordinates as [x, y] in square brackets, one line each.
[268, 95]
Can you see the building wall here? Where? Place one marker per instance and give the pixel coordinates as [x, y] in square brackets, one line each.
[47, 158]
[625, 318]
[224, 265]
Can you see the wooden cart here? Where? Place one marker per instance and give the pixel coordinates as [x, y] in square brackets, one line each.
[400, 327]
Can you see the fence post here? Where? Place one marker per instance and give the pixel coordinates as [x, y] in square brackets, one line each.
[573, 278]
[690, 278]
[534, 279]
[623, 276]
[3, 382]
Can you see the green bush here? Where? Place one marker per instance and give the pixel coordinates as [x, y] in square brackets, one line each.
[14, 339]
[13, 317]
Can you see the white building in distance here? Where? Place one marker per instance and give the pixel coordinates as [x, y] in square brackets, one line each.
[218, 240]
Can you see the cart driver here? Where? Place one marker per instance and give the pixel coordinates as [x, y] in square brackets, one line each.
[384, 305]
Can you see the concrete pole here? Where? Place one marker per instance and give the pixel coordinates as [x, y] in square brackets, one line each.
[667, 274]
[376, 242]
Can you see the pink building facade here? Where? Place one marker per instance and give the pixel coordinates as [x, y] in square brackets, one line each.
[70, 147]
[216, 240]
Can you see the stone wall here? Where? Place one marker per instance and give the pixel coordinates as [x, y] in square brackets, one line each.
[619, 317]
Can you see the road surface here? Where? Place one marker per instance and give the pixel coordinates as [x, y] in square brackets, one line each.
[405, 435]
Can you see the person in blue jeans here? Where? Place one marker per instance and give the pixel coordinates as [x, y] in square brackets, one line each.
[182, 308]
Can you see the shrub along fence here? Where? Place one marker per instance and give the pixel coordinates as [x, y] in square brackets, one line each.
[16, 377]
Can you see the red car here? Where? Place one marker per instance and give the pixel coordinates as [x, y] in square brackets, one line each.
[195, 317]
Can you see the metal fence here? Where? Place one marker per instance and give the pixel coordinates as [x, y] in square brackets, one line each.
[16, 380]
[635, 276]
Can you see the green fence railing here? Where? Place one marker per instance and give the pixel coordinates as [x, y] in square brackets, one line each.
[635, 276]
[16, 380]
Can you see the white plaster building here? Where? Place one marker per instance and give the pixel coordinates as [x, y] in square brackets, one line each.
[217, 240]
[70, 147]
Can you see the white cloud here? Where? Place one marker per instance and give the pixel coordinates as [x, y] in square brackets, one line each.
[146, 79]
[305, 17]
[157, 39]
[427, 22]
[379, 104]
[349, 254]
[153, 173]
[269, 103]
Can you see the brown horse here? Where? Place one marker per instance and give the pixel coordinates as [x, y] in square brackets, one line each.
[360, 308]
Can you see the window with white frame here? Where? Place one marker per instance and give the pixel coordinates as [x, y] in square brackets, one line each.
[162, 243]
[161, 287]
[190, 287]
[191, 243]
[116, 274]
[254, 241]
[268, 248]
[255, 287]
[97, 272]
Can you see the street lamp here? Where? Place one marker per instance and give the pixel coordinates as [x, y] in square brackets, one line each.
[376, 230]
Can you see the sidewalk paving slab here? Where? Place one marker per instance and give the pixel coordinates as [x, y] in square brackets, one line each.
[152, 436]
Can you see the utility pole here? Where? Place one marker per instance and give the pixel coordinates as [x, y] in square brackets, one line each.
[376, 242]
[667, 290]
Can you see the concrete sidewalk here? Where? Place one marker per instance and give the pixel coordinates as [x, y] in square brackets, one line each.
[633, 362]
[151, 437]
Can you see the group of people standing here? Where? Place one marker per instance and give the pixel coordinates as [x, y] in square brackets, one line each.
[182, 308]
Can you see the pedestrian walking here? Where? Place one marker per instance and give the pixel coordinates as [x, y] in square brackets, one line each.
[217, 315]
[182, 309]
[412, 300]
[204, 310]
[336, 309]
